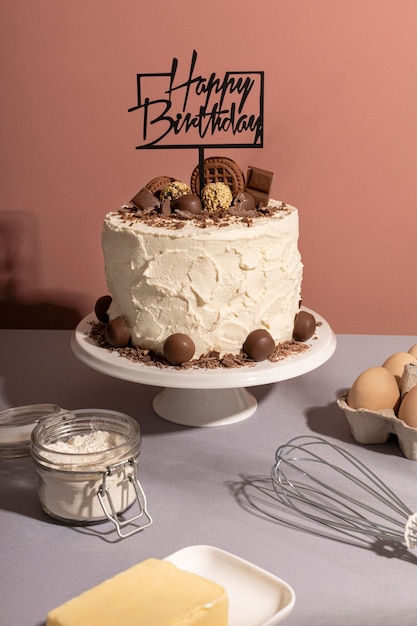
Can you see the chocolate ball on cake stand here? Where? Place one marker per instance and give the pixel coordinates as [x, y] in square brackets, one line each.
[204, 397]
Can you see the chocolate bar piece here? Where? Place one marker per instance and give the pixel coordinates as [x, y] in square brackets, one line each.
[144, 199]
[258, 183]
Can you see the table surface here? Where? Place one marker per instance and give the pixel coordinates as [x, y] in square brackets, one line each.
[204, 486]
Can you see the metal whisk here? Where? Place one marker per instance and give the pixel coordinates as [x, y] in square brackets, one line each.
[330, 486]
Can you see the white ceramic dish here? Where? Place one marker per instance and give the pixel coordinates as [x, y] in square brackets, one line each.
[256, 597]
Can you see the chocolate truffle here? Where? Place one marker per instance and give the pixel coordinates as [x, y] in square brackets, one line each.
[216, 197]
[117, 333]
[189, 202]
[304, 326]
[101, 308]
[174, 190]
[178, 348]
[244, 201]
[259, 345]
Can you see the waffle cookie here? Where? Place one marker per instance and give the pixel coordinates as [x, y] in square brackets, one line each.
[156, 185]
[219, 170]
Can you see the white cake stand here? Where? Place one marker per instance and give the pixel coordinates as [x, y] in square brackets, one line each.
[199, 397]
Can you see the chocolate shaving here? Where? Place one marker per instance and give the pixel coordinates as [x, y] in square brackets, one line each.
[185, 215]
[210, 361]
[163, 216]
[166, 207]
[240, 213]
[288, 348]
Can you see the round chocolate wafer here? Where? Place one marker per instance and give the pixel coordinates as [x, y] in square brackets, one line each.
[156, 185]
[219, 170]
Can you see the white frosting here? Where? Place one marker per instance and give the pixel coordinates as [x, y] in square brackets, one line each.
[214, 284]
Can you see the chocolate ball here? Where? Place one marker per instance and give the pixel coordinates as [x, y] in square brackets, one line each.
[245, 201]
[216, 197]
[189, 202]
[101, 308]
[259, 345]
[304, 326]
[178, 348]
[117, 333]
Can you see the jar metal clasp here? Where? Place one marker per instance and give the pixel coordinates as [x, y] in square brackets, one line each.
[107, 503]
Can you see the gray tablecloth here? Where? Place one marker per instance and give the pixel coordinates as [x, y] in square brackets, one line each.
[204, 486]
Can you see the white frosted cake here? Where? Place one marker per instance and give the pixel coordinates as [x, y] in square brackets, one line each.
[213, 275]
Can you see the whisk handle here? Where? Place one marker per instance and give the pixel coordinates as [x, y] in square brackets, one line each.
[410, 531]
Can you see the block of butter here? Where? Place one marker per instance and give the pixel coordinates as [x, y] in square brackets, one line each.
[152, 593]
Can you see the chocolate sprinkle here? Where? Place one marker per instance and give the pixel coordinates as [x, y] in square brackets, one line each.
[163, 217]
[211, 360]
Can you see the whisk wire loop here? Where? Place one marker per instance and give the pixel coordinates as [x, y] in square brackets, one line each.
[299, 486]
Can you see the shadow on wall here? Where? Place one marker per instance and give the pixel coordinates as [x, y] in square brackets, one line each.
[22, 303]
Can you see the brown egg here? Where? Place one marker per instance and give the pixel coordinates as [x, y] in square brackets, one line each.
[413, 350]
[374, 389]
[178, 348]
[304, 326]
[396, 363]
[259, 345]
[117, 333]
[408, 408]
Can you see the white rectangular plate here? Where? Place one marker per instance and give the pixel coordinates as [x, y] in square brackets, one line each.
[256, 597]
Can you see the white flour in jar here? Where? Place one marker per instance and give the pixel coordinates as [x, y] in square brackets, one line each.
[72, 493]
[96, 441]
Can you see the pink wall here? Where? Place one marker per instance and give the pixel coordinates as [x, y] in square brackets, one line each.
[341, 137]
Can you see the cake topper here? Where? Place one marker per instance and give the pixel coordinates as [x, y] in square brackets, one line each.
[185, 109]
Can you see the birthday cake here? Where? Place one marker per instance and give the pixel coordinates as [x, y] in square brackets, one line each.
[209, 266]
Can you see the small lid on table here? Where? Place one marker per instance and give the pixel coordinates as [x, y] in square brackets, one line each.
[16, 425]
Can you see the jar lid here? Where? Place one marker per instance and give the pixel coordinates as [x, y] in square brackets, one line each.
[16, 425]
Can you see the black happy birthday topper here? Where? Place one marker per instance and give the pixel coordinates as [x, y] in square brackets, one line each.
[197, 111]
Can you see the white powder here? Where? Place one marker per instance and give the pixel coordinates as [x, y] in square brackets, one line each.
[71, 494]
[96, 441]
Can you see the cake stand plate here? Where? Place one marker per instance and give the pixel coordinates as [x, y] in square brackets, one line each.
[202, 397]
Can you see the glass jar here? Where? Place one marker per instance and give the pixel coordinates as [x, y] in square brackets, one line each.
[16, 425]
[86, 462]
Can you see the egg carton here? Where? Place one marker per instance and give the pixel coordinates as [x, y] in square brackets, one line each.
[374, 427]
[371, 427]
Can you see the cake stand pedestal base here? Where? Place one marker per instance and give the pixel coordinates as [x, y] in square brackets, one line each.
[204, 407]
[204, 397]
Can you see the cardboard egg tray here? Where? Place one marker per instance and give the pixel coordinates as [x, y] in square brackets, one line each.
[371, 427]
